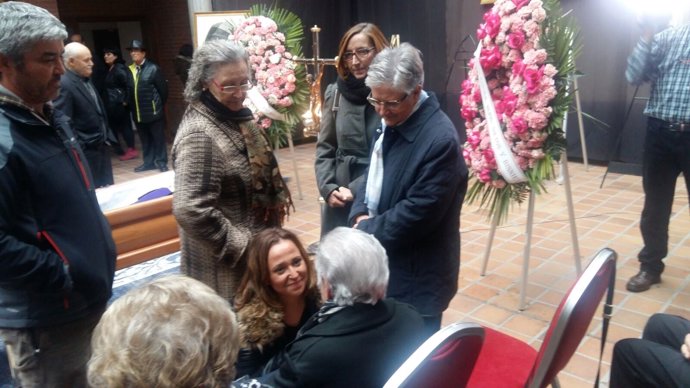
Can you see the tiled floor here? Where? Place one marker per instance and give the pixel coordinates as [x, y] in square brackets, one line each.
[605, 217]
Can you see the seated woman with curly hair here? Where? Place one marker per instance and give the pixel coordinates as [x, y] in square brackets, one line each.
[277, 294]
[172, 332]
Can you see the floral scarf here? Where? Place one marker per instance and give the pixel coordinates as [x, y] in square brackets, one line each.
[271, 200]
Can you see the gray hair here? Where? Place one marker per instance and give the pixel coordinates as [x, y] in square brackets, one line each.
[207, 59]
[22, 25]
[399, 67]
[354, 264]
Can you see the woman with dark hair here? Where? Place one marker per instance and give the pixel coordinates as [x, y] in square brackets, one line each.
[348, 125]
[115, 100]
[277, 294]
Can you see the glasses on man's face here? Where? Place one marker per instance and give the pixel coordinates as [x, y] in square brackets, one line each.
[392, 104]
[233, 88]
[361, 53]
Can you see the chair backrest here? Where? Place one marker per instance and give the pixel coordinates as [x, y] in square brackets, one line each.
[572, 318]
[445, 359]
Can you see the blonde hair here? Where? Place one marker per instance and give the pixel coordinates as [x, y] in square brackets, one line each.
[172, 332]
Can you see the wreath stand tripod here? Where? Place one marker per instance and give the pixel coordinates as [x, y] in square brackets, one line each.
[565, 175]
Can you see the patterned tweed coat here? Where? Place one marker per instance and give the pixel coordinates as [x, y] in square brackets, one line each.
[212, 199]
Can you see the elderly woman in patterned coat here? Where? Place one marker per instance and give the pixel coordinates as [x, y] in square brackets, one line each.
[227, 182]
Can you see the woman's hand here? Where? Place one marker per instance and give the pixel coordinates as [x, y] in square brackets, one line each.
[339, 197]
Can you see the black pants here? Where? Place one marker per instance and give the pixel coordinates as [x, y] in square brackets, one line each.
[122, 125]
[153, 147]
[98, 157]
[666, 155]
[655, 360]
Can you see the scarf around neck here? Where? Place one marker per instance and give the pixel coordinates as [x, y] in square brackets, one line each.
[354, 90]
[271, 200]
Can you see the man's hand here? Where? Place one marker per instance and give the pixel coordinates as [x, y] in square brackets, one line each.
[339, 197]
[358, 219]
[685, 348]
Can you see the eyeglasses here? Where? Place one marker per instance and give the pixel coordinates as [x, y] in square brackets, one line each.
[233, 88]
[393, 104]
[361, 53]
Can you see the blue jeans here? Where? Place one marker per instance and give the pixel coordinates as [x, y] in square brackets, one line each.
[53, 356]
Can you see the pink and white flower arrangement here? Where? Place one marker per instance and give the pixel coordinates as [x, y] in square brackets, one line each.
[272, 37]
[271, 63]
[528, 89]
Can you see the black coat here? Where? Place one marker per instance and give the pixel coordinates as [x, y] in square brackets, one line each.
[359, 346]
[88, 117]
[424, 184]
[56, 249]
[116, 94]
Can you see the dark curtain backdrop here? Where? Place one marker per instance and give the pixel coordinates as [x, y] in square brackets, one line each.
[444, 30]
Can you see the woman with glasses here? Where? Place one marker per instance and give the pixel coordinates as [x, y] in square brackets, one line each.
[348, 125]
[227, 183]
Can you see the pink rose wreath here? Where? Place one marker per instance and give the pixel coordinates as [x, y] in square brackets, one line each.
[526, 53]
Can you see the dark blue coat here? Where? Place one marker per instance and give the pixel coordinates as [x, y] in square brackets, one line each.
[56, 250]
[424, 184]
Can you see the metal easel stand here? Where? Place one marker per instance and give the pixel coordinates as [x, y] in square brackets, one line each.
[565, 178]
[581, 127]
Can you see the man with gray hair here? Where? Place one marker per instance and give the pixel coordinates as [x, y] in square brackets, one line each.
[80, 102]
[358, 338]
[56, 249]
[415, 186]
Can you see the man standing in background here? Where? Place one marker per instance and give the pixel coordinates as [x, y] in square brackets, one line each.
[80, 102]
[149, 91]
[56, 249]
[663, 59]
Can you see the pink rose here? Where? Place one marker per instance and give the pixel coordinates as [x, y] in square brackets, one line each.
[520, 3]
[492, 24]
[518, 125]
[516, 40]
[536, 120]
[518, 68]
[490, 59]
[468, 113]
[532, 78]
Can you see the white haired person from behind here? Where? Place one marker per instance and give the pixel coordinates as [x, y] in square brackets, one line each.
[358, 338]
[172, 332]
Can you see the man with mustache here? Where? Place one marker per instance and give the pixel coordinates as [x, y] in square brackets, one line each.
[56, 249]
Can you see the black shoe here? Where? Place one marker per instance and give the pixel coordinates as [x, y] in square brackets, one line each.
[163, 168]
[642, 281]
[144, 167]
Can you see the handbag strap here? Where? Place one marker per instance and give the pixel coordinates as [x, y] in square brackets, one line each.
[608, 310]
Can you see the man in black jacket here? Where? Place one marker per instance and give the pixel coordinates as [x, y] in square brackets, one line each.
[80, 102]
[56, 250]
[148, 93]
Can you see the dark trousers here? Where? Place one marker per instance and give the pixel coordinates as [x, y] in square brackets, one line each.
[666, 155]
[655, 360]
[98, 158]
[122, 125]
[152, 137]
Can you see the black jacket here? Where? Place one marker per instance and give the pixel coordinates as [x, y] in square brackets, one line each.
[56, 249]
[358, 346]
[116, 92]
[148, 92]
[88, 117]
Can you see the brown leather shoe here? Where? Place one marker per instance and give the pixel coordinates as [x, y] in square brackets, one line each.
[642, 281]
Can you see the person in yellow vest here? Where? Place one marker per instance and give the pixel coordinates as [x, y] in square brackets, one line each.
[148, 94]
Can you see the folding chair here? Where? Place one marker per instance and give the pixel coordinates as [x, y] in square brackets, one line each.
[505, 361]
[444, 360]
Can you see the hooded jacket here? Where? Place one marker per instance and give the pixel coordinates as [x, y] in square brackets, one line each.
[56, 249]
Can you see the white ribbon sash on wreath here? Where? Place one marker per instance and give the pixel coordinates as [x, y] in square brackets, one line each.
[505, 159]
[263, 106]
